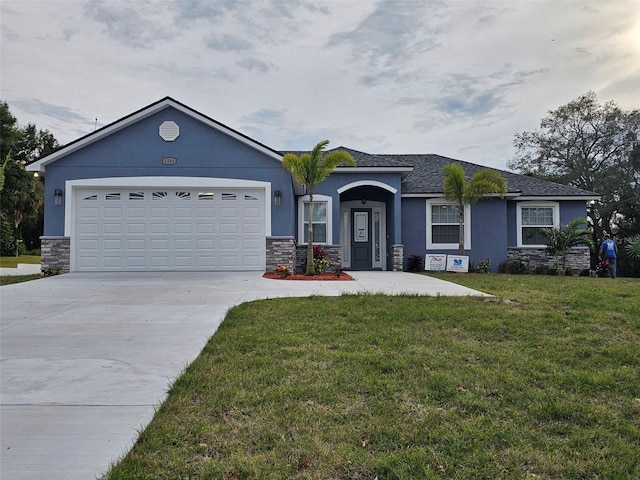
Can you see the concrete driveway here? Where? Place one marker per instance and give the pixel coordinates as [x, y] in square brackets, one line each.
[85, 358]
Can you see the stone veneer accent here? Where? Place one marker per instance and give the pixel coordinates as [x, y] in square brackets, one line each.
[332, 252]
[397, 252]
[578, 258]
[281, 251]
[55, 252]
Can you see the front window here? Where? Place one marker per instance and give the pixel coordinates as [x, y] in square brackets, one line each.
[320, 219]
[533, 216]
[443, 229]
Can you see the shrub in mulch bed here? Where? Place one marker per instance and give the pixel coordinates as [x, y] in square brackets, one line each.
[318, 277]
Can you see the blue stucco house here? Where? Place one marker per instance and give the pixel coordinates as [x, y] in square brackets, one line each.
[168, 188]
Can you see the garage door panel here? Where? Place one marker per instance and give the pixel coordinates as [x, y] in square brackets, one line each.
[206, 212]
[159, 212]
[135, 228]
[89, 245]
[183, 212]
[135, 261]
[169, 229]
[252, 243]
[113, 262]
[182, 243]
[112, 228]
[252, 212]
[112, 213]
[230, 243]
[89, 229]
[111, 244]
[251, 228]
[88, 213]
[136, 212]
[184, 262]
[159, 229]
[251, 261]
[88, 262]
[183, 228]
[158, 244]
[206, 227]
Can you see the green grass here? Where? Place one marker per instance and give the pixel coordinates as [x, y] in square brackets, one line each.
[18, 279]
[540, 382]
[12, 262]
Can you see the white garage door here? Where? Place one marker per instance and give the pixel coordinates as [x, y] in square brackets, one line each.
[142, 229]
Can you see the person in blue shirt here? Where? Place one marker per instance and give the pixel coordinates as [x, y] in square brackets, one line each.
[609, 251]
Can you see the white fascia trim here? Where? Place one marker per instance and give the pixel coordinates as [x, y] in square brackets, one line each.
[302, 234]
[39, 166]
[441, 195]
[168, 182]
[373, 169]
[422, 195]
[448, 246]
[367, 183]
[561, 198]
[556, 219]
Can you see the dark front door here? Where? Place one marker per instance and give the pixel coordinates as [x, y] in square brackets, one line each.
[361, 239]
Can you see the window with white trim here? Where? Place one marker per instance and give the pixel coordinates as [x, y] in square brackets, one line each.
[534, 215]
[443, 230]
[321, 219]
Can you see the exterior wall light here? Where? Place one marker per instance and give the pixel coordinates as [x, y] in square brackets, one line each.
[57, 196]
[277, 198]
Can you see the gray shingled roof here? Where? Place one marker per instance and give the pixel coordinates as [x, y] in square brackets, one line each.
[426, 177]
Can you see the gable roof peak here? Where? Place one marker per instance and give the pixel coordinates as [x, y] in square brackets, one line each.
[141, 114]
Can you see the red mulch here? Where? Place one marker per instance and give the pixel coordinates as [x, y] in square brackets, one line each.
[300, 276]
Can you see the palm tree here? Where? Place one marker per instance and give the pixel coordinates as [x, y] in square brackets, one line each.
[560, 240]
[456, 188]
[309, 170]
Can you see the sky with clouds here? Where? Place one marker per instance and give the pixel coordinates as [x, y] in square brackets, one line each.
[454, 77]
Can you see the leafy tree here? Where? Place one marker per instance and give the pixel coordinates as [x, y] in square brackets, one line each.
[21, 197]
[456, 188]
[560, 240]
[2, 168]
[592, 146]
[309, 170]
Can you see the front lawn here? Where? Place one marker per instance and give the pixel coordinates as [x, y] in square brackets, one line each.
[540, 382]
[12, 262]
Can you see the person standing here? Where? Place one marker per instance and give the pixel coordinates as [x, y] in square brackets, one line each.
[609, 251]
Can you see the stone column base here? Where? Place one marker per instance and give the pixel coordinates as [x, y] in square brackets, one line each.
[397, 252]
[55, 253]
[281, 251]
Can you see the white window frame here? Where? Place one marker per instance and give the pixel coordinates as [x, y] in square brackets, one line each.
[555, 206]
[447, 246]
[302, 234]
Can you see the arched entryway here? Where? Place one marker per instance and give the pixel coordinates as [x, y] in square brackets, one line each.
[363, 225]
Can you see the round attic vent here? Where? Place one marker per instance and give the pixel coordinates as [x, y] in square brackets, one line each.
[169, 131]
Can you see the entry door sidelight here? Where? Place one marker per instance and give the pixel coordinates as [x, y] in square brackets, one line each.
[361, 239]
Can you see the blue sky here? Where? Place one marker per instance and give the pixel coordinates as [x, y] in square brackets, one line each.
[457, 78]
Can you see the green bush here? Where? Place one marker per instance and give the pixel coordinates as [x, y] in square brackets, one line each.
[484, 266]
[514, 266]
[415, 263]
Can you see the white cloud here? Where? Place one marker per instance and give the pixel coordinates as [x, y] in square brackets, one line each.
[449, 77]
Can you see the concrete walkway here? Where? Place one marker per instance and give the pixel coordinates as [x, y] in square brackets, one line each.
[85, 358]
